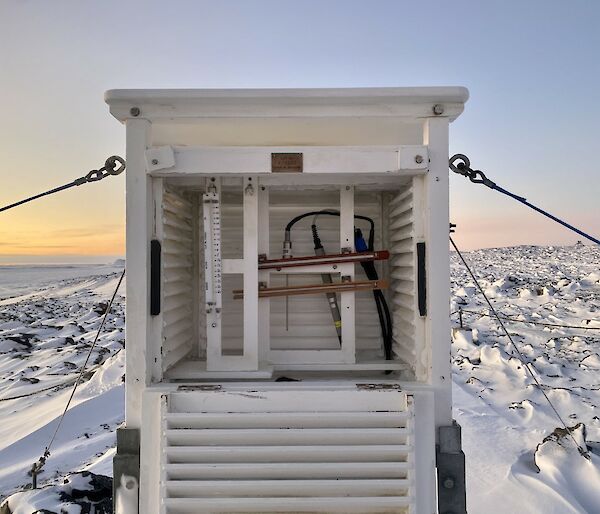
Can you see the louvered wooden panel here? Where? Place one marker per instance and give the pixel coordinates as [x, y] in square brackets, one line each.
[402, 273]
[272, 451]
[178, 277]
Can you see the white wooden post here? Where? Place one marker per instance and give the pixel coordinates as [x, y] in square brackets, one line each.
[151, 452]
[423, 456]
[216, 361]
[251, 190]
[139, 229]
[264, 304]
[435, 136]
[347, 299]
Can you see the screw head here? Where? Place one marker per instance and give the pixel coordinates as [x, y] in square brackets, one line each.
[135, 111]
[418, 159]
[448, 483]
[154, 162]
[214, 325]
[438, 109]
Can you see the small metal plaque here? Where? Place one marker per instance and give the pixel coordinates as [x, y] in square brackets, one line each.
[286, 162]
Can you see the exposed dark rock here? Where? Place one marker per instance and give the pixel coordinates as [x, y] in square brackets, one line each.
[91, 492]
[100, 308]
[24, 339]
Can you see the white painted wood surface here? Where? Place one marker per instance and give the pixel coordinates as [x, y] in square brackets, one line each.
[409, 102]
[321, 450]
[220, 160]
[176, 225]
[208, 451]
[140, 327]
[437, 329]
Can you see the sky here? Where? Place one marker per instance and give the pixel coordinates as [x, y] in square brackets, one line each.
[532, 68]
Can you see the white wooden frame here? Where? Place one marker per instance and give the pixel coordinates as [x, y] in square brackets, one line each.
[231, 160]
[324, 167]
[248, 266]
[347, 352]
[437, 326]
[141, 327]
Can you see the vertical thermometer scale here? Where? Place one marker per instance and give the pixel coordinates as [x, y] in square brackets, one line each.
[212, 256]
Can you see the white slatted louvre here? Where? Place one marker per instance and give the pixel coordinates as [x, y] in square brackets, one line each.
[308, 451]
[178, 264]
[403, 234]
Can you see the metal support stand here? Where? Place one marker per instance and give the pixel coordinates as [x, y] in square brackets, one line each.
[450, 459]
[127, 459]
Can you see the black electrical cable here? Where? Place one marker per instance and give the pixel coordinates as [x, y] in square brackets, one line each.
[383, 311]
[387, 342]
[385, 321]
[326, 278]
[385, 318]
[289, 226]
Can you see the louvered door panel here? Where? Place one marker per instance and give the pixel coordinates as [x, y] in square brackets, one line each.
[304, 451]
[178, 277]
[402, 274]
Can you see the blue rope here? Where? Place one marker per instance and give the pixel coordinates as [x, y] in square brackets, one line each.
[545, 213]
[460, 164]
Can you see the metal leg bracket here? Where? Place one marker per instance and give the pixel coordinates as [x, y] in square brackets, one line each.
[451, 471]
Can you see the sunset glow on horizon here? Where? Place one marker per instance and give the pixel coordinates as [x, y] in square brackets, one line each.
[530, 122]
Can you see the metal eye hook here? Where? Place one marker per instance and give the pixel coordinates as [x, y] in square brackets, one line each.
[111, 165]
[462, 167]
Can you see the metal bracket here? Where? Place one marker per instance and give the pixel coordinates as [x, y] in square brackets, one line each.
[127, 459]
[201, 387]
[450, 461]
[160, 158]
[413, 157]
[379, 387]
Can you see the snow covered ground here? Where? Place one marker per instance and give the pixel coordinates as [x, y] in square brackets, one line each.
[504, 415]
[46, 330]
[47, 323]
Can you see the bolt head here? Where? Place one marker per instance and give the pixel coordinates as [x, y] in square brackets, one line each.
[418, 159]
[448, 483]
[214, 325]
[438, 109]
[135, 111]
